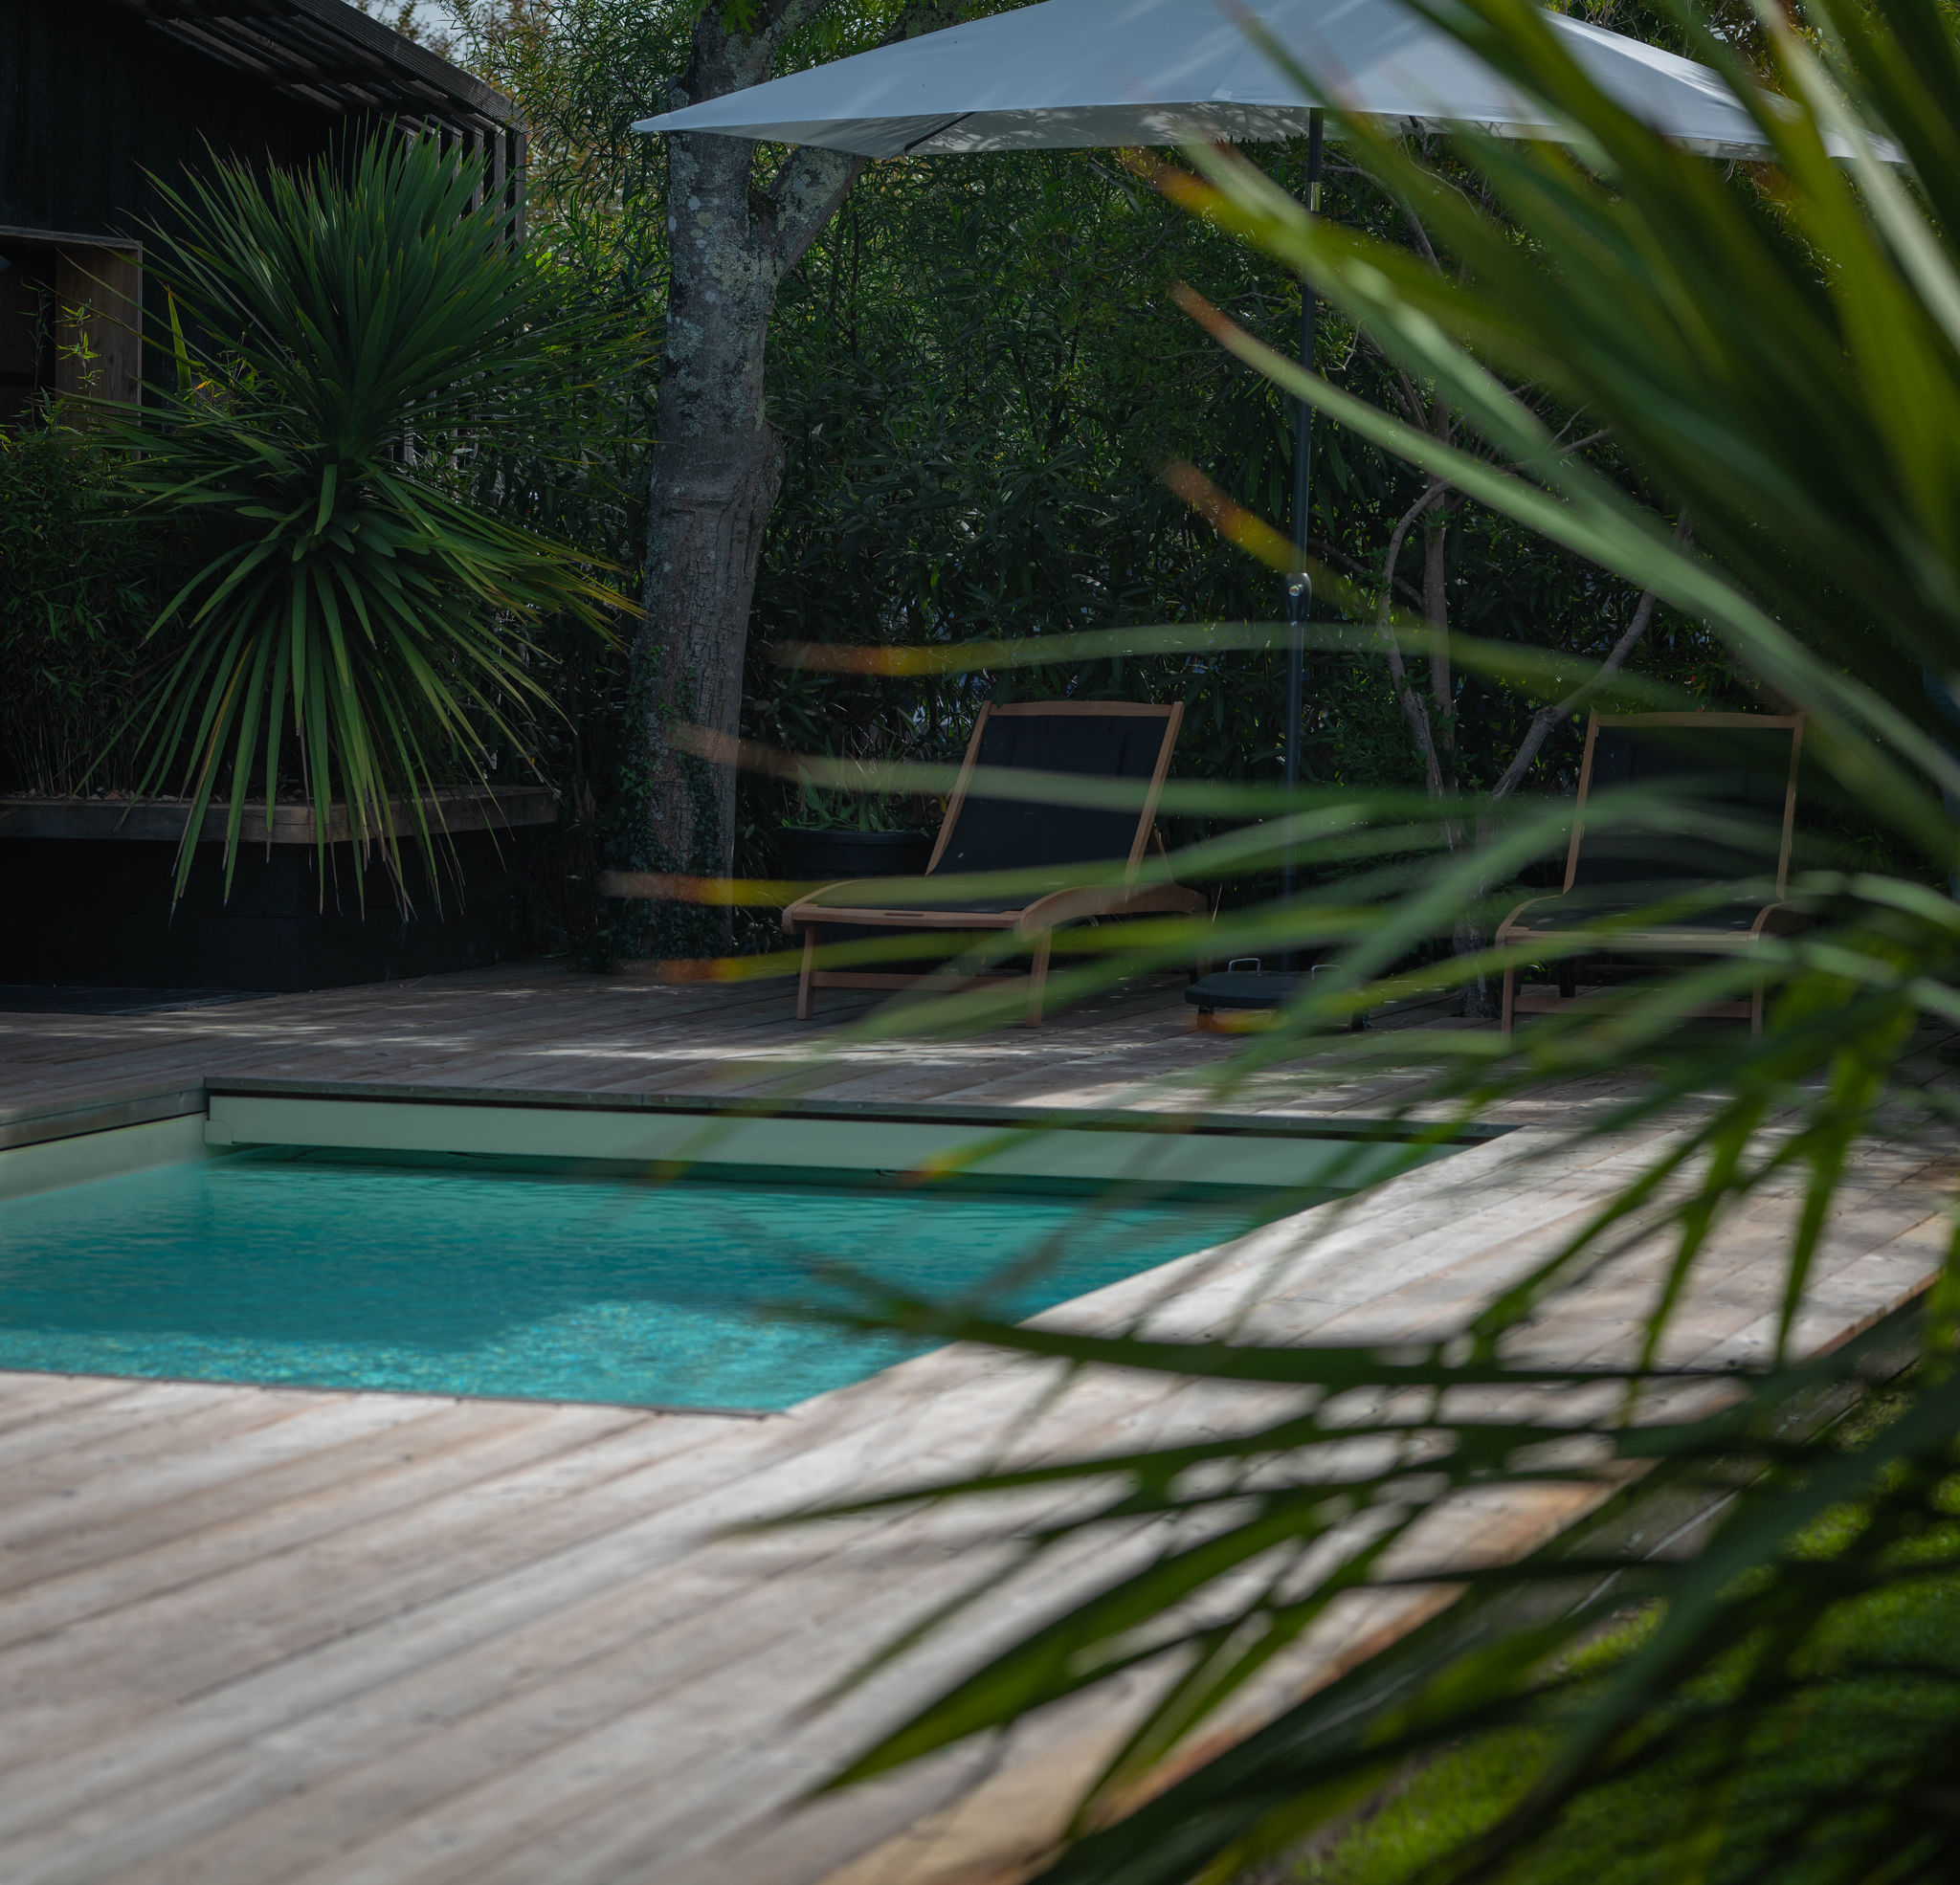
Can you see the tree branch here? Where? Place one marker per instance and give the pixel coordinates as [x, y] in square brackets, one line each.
[1546, 718]
[808, 189]
[1412, 708]
[1422, 241]
[811, 184]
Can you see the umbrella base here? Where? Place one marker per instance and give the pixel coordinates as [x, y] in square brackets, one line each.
[1241, 1000]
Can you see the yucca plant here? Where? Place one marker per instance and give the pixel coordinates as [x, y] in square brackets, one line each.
[1778, 353]
[353, 344]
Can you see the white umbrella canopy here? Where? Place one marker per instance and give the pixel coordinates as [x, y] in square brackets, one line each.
[1071, 74]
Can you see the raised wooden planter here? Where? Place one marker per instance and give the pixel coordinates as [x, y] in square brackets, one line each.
[85, 895]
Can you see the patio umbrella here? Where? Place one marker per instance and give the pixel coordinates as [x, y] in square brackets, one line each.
[1070, 74]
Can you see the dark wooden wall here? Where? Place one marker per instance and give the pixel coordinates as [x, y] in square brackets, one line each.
[91, 98]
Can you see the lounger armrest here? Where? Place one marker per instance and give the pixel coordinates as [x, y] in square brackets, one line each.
[1106, 899]
[1503, 929]
[1781, 920]
[807, 909]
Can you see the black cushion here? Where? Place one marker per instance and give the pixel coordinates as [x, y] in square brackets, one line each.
[1586, 910]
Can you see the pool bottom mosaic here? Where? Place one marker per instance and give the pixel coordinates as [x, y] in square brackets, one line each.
[324, 1271]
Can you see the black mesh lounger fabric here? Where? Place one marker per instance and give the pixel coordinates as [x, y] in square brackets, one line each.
[1030, 836]
[1000, 859]
[1021, 835]
[1741, 775]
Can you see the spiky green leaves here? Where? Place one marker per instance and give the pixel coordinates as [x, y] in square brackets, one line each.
[351, 345]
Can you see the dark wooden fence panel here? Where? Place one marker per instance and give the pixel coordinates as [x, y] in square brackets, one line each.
[92, 99]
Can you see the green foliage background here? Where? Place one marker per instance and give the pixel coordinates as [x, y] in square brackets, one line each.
[80, 586]
[979, 375]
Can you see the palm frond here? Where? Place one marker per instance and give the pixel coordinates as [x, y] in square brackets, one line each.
[1775, 352]
[359, 336]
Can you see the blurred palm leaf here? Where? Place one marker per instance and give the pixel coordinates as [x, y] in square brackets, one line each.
[350, 342]
[1779, 353]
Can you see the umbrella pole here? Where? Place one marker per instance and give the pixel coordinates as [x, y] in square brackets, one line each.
[1299, 588]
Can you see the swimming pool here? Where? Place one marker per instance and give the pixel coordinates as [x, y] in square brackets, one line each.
[263, 1267]
[648, 1255]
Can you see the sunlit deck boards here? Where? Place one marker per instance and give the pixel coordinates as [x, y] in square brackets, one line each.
[252, 1635]
[548, 1029]
[545, 1029]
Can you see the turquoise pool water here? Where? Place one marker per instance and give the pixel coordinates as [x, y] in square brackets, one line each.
[267, 1268]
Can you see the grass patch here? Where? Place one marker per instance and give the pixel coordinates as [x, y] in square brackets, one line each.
[1799, 1762]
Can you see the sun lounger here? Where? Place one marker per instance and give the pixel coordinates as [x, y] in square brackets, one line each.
[1066, 857]
[1739, 771]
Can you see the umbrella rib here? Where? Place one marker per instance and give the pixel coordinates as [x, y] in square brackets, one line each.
[937, 131]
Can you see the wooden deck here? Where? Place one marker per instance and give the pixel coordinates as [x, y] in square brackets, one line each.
[548, 1029]
[252, 1635]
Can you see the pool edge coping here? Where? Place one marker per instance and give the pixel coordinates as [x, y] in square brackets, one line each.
[1084, 1119]
[73, 1118]
[34, 1124]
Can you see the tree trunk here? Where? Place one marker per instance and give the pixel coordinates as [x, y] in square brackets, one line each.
[717, 468]
[718, 464]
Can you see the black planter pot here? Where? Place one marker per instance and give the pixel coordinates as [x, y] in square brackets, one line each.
[812, 856]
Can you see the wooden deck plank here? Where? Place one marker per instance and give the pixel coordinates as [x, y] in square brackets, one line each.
[115, 1417]
[161, 1464]
[338, 1777]
[487, 1660]
[628, 1556]
[702, 1661]
[50, 1582]
[259, 1712]
[153, 1653]
[33, 1399]
[269, 1616]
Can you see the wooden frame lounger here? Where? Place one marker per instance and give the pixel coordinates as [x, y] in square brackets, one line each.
[1644, 872]
[1101, 740]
